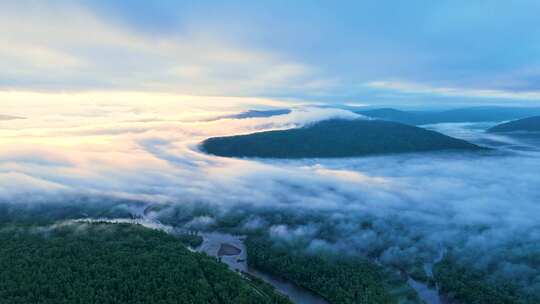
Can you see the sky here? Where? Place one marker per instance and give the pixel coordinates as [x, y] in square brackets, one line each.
[111, 99]
[376, 52]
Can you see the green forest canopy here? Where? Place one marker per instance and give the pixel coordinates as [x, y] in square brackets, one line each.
[336, 138]
[115, 263]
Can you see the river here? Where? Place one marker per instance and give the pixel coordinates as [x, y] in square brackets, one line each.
[238, 262]
[211, 245]
[429, 294]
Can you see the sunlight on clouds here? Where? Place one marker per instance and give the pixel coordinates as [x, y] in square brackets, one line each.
[179, 106]
[88, 51]
[110, 122]
[144, 147]
[83, 140]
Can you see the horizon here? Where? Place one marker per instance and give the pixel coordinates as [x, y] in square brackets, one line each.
[271, 152]
[369, 52]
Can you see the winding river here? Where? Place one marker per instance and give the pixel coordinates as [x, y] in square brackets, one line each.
[428, 294]
[230, 249]
[237, 261]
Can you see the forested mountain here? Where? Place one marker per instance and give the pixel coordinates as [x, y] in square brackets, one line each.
[472, 114]
[530, 124]
[115, 263]
[335, 138]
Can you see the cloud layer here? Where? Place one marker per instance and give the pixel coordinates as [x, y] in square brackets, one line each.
[399, 209]
[71, 47]
[351, 52]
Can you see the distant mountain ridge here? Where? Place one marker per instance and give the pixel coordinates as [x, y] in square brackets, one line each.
[258, 113]
[461, 115]
[530, 124]
[336, 138]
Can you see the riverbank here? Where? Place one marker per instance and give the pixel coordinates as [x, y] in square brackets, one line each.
[214, 242]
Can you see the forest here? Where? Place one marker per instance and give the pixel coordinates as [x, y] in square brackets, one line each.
[339, 279]
[336, 138]
[37, 257]
[465, 285]
[115, 263]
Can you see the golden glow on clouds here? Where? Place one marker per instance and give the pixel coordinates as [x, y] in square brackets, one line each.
[12, 99]
[68, 46]
[103, 141]
[111, 124]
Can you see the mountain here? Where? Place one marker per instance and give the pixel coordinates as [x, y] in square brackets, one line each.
[406, 117]
[258, 114]
[530, 124]
[472, 114]
[335, 138]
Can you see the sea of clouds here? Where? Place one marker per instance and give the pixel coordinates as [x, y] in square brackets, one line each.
[484, 206]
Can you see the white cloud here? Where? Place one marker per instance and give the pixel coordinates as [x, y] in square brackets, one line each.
[69, 47]
[482, 205]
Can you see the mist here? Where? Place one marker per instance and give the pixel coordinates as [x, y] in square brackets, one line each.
[397, 209]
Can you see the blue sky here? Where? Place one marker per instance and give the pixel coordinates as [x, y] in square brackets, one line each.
[394, 52]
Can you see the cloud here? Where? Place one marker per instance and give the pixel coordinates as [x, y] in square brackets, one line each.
[9, 117]
[319, 52]
[399, 209]
[414, 88]
[200, 223]
[79, 49]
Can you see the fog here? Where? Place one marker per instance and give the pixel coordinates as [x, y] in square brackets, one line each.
[399, 209]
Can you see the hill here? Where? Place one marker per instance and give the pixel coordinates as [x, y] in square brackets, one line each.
[472, 114]
[530, 124]
[335, 138]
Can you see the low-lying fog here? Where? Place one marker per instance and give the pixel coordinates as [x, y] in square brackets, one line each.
[485, 206]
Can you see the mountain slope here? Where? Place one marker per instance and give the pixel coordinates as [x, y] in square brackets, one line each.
[335, 138]
[530, 124]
